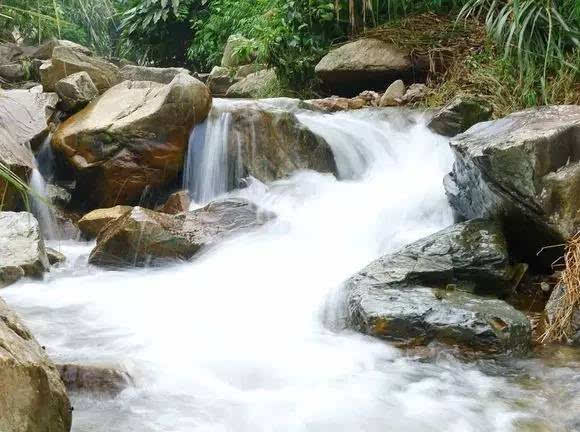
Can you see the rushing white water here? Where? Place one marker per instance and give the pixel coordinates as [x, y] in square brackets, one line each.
[249, 337]
[40, 205]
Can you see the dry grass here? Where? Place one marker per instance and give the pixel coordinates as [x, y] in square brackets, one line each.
[463, 59]
[559, 328]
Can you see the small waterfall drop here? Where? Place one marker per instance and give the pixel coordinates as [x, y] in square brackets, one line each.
[40, 205]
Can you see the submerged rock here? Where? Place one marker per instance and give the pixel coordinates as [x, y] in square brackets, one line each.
[54, 256]
[366, 64]
[22, 251]
[93, 222]
[459, 115]
[66, 61]
[525, 170]
[158, 75]
[95, 379]
[143, 237]
[132, 137]
[32, 395]
[76, 91]
[420, 293]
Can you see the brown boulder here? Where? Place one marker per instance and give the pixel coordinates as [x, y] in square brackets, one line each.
[32, 395]
[97, 379]
[143, 237]
[177, 202]
[131, 138]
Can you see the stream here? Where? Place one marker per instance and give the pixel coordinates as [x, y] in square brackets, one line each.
[249, 336]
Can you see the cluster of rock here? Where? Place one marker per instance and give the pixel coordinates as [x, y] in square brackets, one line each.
[239, 76]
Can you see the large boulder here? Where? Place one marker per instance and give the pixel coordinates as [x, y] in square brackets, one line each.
[32, 395]
[22, 251]
[255, 85]
[44, 52]
[525, 170]
[13, 72]
[24, 117]
[220, 80]
[237, 52]
[132, 137]
[143, 237]
[93, 222]
[459, 115]
[66, 61]
[143, 73]
[366, 64]
[267, 141]
[10, 52]
[429, 290]
[76, 91]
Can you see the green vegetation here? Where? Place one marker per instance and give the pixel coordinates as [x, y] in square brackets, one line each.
[516, 52]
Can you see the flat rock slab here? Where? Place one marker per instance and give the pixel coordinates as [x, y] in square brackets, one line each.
[419, 315]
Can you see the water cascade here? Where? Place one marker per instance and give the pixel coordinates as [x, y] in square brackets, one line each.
[249, 337]
[40, 205]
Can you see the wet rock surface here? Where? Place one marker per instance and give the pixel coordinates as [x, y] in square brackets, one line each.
[523, 169]
[105, 380]
[143, 237]
[22, 251]
[32, 395]
[269, 144]
[429, 291]
[178, 202]
[132, 137]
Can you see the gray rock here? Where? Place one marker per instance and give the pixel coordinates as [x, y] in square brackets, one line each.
[44, 52]
[420, 293]
[57, 195]
[245, 70]
[144, 237]
[220, 80]
[419, 315]
[255, 85]
[132, 137]
[9, 53]
[234, 43]
[143, 73]
[393, 95]
[107, 380]
[67, 61]
[366, 64]
[472, 255]
[76, 91]
[54, 256]
[24, 117]
[459, 115]
[525, 170]
[13, 72]
[32, 396]
[22, 251]
[415, 93]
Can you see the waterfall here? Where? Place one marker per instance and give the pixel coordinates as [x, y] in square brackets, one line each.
[40, 203]
[248, 336]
